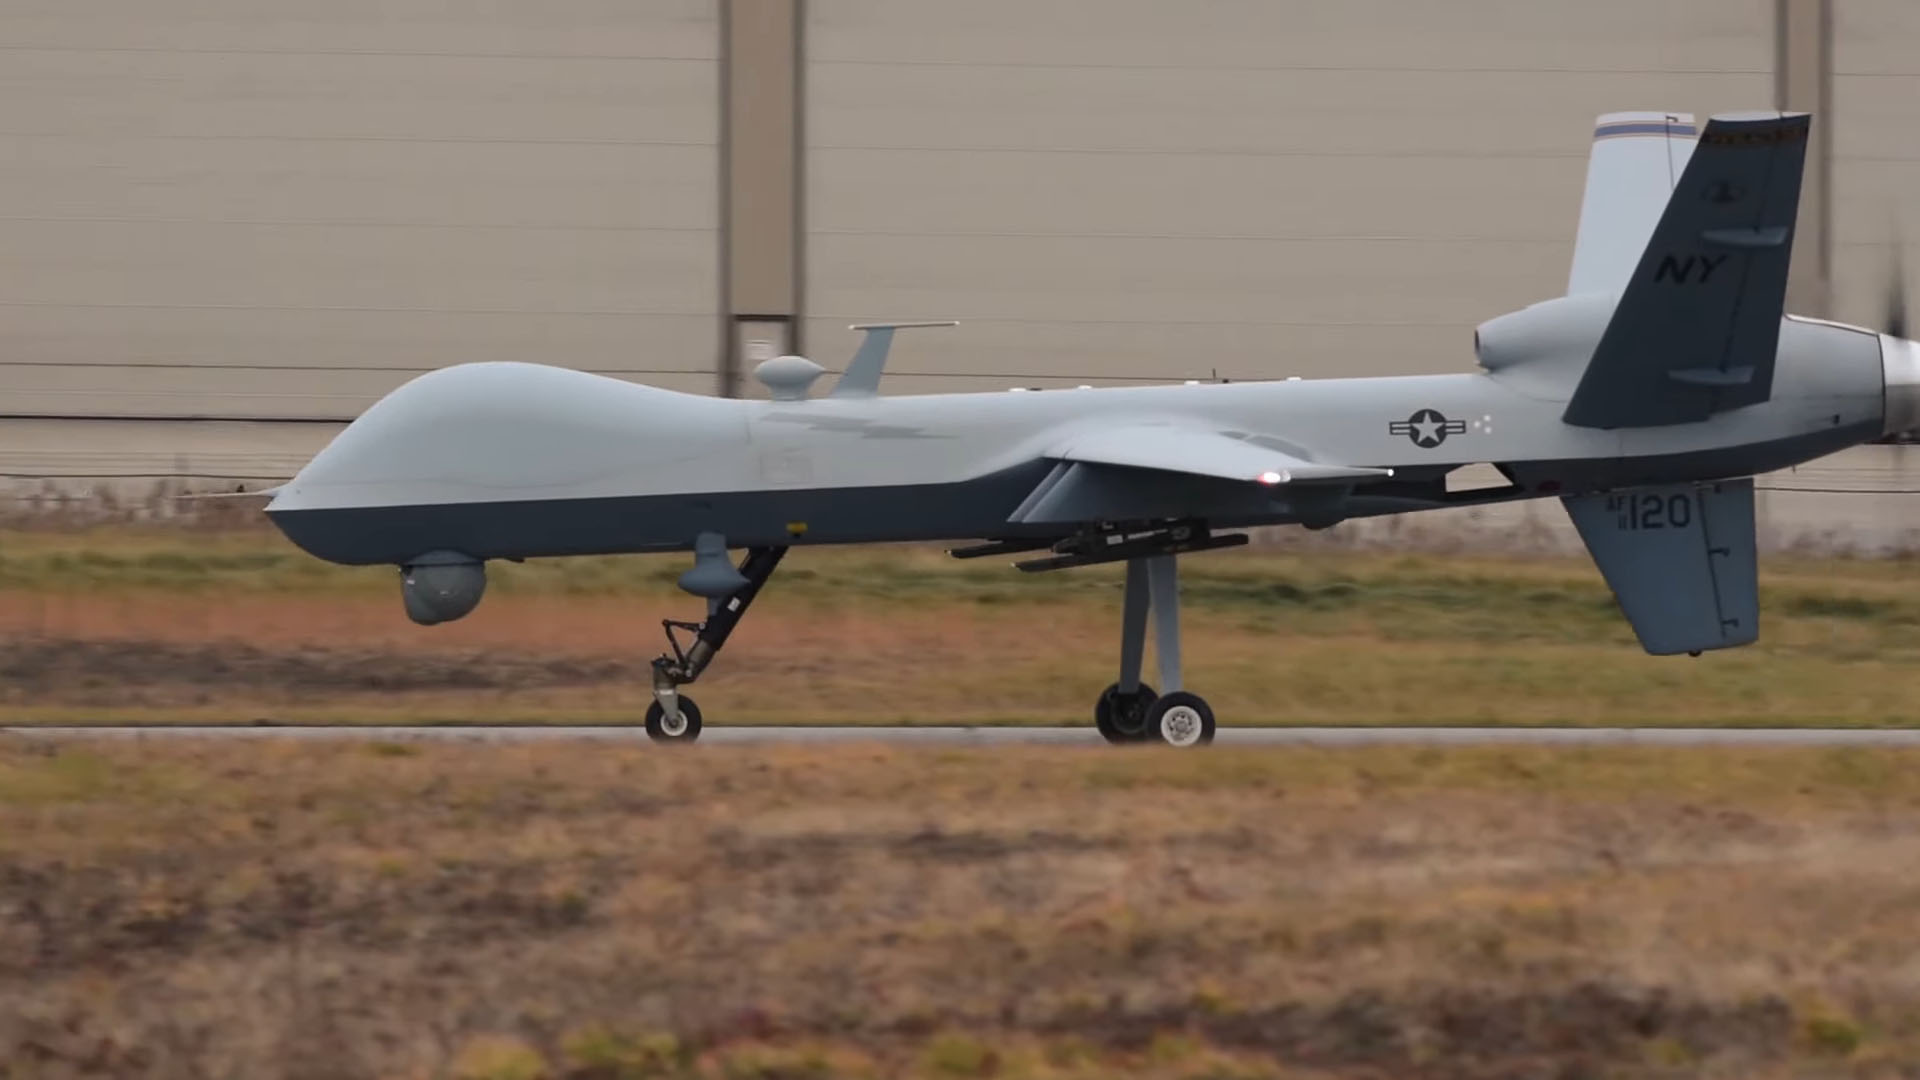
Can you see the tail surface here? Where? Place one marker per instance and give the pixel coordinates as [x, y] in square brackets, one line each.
[1680, 559]
[1637, 159]
[1698, 322]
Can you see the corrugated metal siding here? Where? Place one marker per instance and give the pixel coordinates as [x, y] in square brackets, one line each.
[1876, 153]
[276, 208]
[1106, 188]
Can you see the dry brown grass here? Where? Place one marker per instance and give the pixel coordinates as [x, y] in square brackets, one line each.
[179, 908]
[152, 625]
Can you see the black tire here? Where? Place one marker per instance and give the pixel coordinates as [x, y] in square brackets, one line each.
[657, 722]
[1180, 719]
[1122, 718]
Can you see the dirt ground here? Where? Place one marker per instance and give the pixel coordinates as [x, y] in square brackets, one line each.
[486, 912]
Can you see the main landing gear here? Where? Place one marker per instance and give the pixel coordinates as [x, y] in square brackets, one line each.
[673, 716]
[1130, 711]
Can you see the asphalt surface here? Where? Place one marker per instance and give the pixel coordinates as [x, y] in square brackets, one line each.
[1055, 735]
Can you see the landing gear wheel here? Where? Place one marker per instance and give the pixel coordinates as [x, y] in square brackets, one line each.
[1122, 718]
[660, 729]
[1180, 719]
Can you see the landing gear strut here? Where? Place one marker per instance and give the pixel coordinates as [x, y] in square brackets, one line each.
[1130, 710]
[673, 716]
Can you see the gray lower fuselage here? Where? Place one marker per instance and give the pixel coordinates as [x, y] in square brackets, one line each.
[517, 460]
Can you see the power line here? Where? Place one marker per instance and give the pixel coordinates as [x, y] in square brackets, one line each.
[175, 365]
[281, 478]
[405, 54]
[185, 365]
[385, 369]
[1462, 69]
[1842, 491]
[175, 474]
[422, 140]
[195, 418]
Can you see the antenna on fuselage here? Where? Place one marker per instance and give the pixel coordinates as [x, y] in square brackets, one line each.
[862, 377]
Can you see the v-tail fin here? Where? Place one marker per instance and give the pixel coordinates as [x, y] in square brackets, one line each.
[1697, 325]
[1681, 560]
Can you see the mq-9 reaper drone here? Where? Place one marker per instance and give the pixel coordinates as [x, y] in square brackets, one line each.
[1645, 399]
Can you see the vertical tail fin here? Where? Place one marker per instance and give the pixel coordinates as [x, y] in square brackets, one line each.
[1636, 160]
[1698, 322]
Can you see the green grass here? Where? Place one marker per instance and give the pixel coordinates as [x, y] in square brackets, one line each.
[906, 635]
[1275, 583]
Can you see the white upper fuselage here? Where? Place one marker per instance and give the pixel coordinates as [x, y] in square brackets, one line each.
[518, 433]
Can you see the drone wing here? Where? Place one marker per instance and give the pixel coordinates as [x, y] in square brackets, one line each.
[1199, 452]
[1158, 470]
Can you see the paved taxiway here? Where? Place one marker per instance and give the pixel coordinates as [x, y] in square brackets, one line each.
[1312, 736]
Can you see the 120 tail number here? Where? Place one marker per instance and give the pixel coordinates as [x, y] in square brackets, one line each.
[1647, 511]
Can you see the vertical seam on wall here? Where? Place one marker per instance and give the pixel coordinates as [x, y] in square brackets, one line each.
[725, 375]
[796, 330]
[1781, 14]
[1825, 149]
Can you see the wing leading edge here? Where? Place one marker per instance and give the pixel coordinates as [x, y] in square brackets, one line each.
[1200, 453]
[1144, 471]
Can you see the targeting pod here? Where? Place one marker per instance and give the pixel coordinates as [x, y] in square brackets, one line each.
[442, 586]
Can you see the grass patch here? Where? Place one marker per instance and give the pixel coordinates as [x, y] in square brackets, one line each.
[184, 908]
[125, 624]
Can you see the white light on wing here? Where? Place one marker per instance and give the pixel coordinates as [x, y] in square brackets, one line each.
[1271, 477]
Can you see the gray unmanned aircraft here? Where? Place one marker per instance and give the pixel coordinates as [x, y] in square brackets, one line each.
[1645, 399]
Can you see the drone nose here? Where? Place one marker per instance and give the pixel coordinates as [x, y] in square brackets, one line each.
[1900, 367]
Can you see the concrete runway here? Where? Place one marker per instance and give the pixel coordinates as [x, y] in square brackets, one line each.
[1080, 736]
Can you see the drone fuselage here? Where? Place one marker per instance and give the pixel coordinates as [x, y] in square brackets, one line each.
[1646, 397]
[504, 460]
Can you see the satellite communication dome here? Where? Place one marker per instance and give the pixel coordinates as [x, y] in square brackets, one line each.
[788, 378]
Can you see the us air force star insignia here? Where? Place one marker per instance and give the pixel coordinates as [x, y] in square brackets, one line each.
[1427, 428]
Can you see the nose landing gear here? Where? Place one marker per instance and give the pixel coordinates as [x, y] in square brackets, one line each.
[682, 725]
[673, 716]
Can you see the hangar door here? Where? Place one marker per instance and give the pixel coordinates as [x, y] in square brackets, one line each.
[284, 208]
[1108, 189]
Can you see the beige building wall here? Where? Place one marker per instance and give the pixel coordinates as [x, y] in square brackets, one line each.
[1876, 155]
[284, 208]
[269, 208]
[1133, 188]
